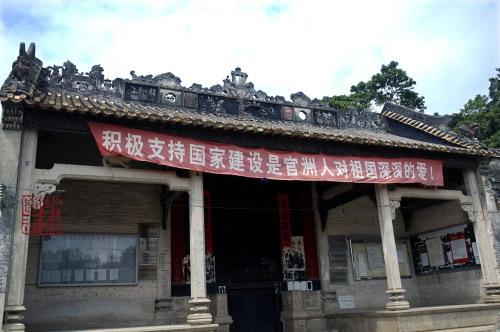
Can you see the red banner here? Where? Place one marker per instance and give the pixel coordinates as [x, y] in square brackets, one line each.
[211, 157]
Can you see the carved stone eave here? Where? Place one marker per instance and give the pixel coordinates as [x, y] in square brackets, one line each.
[464, 201]
[440, 194]
[469, 209]
[394, 205]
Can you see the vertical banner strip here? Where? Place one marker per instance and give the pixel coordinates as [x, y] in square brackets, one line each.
[311, 253]
[208, 222]
[177, 240]
[285, 222]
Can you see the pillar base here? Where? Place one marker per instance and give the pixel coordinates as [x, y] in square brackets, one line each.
[492, 293]
[396, 299]
[199, 311]
[14, 315]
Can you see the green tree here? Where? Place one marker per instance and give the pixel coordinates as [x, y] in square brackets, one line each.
[391, 84]
[345, 102]
[484, 111]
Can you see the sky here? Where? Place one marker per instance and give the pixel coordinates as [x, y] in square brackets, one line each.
[450, 47]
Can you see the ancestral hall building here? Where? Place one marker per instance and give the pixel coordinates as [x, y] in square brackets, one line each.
[142, 205]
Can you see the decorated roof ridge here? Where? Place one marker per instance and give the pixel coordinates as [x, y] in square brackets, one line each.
[430, 124]
[232, 105]
[68, 77]
[235, 97]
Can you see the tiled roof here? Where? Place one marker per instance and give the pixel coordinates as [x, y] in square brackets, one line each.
[391, 111]
[71, 102]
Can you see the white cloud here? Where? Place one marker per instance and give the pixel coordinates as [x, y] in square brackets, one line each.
[319, 47]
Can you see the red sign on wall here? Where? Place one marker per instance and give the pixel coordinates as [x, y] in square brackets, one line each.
[211, 157]
[41, 215]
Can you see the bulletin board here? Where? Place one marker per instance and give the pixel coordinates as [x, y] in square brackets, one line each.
[450, 248]
[368, 260]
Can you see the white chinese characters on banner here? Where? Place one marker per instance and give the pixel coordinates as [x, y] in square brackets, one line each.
[218, 158]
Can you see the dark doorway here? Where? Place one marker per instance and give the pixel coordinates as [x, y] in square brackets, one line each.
[247, 250]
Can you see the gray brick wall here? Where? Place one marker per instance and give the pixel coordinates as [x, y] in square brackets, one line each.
[96, 207]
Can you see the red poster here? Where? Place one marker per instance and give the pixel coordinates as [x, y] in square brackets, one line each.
[458, 248]
[218, 158]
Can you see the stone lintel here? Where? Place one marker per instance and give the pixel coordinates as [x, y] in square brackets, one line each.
[442, 194]
[98, 173]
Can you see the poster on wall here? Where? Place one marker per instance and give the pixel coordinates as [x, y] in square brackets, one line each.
[475, 251]
[368, 260]
[294, 258]
[375, 259]
[209, 268]
[435, 251]
[445, 249]
[362, 268]
[458, 248]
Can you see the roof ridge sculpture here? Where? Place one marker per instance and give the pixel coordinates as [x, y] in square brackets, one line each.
[65, 87]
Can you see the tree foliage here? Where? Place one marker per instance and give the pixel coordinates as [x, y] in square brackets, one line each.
[484, 111]
[390, 84]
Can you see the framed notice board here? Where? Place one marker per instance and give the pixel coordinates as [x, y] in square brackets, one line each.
[450, 248]
[368, 260]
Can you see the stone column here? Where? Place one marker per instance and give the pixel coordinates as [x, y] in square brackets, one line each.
[14, 308]
[482, 223]
[321, 242]
[199, 312]
[328, 295]
[385, 217]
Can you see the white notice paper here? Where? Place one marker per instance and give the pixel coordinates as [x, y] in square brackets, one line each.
[401, 256]
[90, 275]
[424, 259]
[458, 249]
[362, 268]
[435, 251]
[66, 275]
[375, 259]
[101, 274]
[78, 275]
[113, 274]
[346, 301]
[56, 276]
[476, 252]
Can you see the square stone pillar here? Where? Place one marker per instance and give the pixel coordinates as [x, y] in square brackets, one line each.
[482, 220]
[386, 213]
[321, 242]
[14, 304]
[199, 310]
